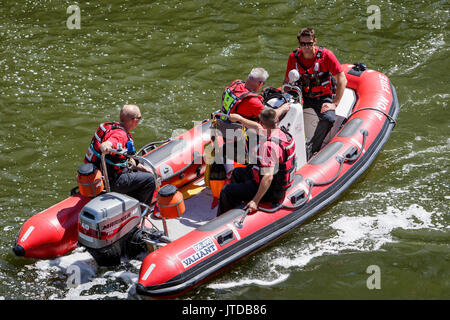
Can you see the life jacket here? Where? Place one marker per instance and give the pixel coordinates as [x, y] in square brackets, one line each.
[233, 95]
[313, 82]
[284, 177]
[94, 154]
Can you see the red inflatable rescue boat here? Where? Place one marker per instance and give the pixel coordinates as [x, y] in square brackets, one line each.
[190, 244]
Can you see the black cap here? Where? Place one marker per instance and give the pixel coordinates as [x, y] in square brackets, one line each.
[168, 190]
[87, 169]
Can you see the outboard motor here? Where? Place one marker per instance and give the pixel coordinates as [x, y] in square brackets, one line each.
[108, 228]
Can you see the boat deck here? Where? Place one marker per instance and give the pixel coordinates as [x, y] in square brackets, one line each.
[198, 203]
[198, 212]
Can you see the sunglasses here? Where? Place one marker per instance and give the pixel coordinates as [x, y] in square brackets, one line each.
[139, 118]
[304, 44]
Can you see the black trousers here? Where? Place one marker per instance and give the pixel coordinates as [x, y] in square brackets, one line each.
[326, 120]
[242, 188]
[139, 185]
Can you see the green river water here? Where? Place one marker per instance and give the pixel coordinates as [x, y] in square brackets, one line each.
[173, 60]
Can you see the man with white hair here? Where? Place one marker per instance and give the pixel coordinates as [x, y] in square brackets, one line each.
[242, 98]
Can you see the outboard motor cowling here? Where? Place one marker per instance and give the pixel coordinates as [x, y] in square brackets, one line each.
[106, 224]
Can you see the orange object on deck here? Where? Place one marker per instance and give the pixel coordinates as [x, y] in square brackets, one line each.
[239, 165]
[217, 179]
[170, 202]
[90, 181]
[216, 186]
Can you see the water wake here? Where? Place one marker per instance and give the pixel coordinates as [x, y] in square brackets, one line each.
[353, 233]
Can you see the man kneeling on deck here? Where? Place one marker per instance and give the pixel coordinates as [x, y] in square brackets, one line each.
[271, 176]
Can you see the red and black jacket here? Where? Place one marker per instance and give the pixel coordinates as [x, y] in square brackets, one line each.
[284, 177]
[314, 83]
[236, 93]
[115, 162]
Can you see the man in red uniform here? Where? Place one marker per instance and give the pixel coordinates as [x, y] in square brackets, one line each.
[134, 180]
[242, 98]
[322, 80]
[269, 178]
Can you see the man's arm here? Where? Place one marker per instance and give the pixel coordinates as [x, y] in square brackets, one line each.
[340, 87]
[141, 167]
[283, 109]
[112, 139]
[106, 146]
[249, 124]
[234, 117]
[336, 70]
[262, 189]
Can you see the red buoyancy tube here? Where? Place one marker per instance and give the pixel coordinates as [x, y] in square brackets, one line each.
[93, 155]
[313, 82]
[284, 177]
[233, 95]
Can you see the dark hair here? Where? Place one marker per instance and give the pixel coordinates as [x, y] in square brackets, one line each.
[268, 118]
[306, 32]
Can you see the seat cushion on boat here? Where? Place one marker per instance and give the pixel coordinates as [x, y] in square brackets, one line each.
[343, 110]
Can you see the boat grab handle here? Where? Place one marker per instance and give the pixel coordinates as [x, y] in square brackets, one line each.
[151, 146]
[239, 224]
[391, 119]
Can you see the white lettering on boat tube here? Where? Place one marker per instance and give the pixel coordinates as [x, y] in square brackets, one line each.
[27, 234]
[384, 82]
[382, 104]
[149, 270]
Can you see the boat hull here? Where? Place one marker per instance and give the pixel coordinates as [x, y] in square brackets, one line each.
[207, 250]
[52, 232]
[171, 271]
